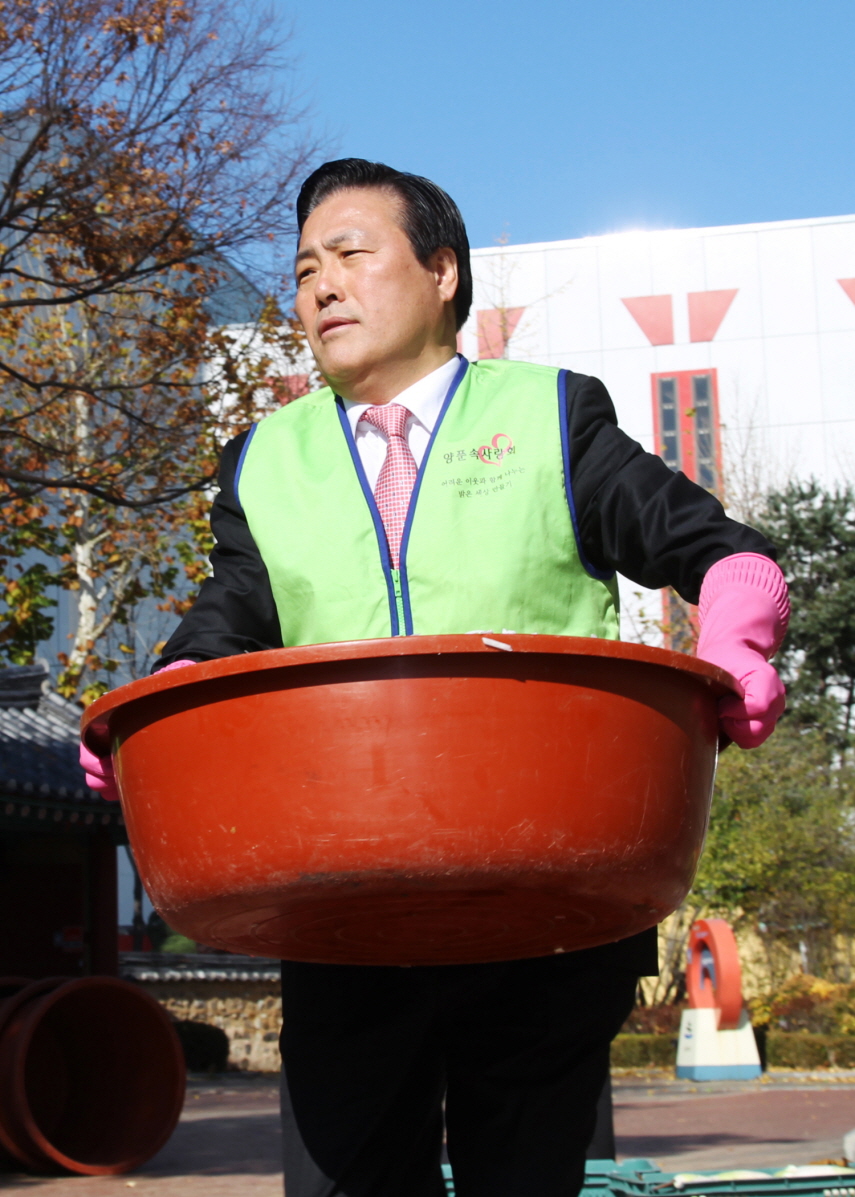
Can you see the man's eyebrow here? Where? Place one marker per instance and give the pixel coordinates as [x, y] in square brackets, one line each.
[331, 243]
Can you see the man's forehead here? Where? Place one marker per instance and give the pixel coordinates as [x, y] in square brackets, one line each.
[350, 213]
[331, 242]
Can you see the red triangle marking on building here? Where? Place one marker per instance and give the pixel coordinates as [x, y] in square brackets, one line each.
[654, 315]
[707, 309]
[848, 285]
[496, 326]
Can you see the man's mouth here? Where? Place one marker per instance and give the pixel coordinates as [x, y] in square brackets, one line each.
[330, 323]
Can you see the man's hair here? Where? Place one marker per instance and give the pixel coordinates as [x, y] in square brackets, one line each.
[431, 219]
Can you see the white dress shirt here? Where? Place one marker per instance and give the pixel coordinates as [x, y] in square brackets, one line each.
[424, 399]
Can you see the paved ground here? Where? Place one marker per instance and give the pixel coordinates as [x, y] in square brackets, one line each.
[783, 1118]
[227, 1143]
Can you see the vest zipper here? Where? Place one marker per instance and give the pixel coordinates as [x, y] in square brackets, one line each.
[399, 597]
[398, 577]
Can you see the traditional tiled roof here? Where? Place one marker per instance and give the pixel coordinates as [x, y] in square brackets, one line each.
[174, 968]
[40, 775]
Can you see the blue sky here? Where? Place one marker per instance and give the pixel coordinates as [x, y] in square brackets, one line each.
[552, 119]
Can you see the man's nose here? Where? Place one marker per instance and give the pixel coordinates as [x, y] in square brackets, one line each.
[328, 285]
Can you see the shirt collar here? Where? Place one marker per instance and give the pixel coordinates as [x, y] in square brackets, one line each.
[424, 398]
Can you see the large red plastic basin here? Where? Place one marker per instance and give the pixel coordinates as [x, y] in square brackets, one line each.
[420, 800]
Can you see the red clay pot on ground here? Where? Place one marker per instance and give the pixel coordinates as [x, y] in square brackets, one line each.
[419, 800]
[91, 1075]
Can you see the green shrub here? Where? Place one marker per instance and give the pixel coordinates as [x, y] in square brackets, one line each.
[784, 1049]
[654, 1020]
[843, 1048]
[179, 944]
[797, 1049]
[206, 1048]
[801, 1049]
[644, 1051]
[806, 1003]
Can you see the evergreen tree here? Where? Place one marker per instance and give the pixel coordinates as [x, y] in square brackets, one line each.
[814, 531]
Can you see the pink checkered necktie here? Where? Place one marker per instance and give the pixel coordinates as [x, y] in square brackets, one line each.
[398, 475]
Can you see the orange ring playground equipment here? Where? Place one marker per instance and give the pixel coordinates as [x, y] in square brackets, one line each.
[719, 987]
[716, 1040]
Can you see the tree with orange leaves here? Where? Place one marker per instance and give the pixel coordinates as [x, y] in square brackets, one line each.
[115, 556]
[139, 148]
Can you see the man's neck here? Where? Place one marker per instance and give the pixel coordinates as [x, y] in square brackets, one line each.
[389, 380]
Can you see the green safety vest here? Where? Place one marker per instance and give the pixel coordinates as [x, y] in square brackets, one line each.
[490, 542]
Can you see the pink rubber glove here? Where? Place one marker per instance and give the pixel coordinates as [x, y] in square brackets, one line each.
[743, 612]
[99, 769]
[99, 773]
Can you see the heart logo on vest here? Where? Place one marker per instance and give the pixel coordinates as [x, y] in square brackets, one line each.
[492, 454]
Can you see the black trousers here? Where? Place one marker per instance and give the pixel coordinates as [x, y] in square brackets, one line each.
[519, 1052]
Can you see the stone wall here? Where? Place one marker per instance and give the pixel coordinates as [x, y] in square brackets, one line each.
[250, 1013]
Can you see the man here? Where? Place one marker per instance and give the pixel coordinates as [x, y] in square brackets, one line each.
[335, 521]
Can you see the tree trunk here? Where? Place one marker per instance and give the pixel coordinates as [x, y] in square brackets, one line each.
[87, 598]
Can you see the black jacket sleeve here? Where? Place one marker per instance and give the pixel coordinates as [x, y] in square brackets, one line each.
[235, 611]
[634, 514]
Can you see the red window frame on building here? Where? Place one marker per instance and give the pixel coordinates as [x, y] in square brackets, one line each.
[688, 438]
[686, 424]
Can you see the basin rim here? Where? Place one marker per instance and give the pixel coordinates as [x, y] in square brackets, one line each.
[96, 719]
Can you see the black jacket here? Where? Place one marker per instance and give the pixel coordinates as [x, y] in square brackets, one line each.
[635, 516]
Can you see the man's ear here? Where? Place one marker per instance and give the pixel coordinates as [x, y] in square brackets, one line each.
[443, 264]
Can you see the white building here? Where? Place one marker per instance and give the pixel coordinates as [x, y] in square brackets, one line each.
[730, 351]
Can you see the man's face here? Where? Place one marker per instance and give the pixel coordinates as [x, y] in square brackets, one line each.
[369, 307]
